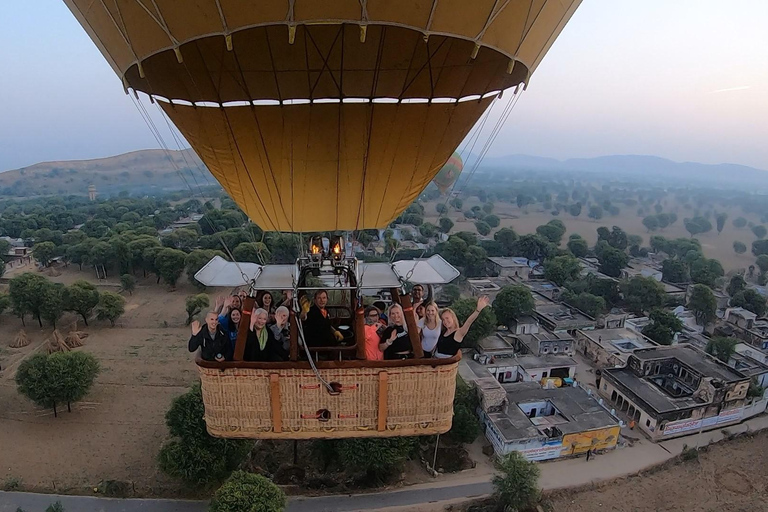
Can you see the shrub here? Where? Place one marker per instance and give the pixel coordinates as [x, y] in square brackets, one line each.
[517, 487]
[194, 455]
[466, 425]
[62, 377]
[511, 302]
[128, 283]
[377, 457]
[194, 305]
[247, 492]
[55, 507]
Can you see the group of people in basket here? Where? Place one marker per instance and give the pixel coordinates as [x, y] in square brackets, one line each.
[268, 337]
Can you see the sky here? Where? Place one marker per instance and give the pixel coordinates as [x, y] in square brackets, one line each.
[680, 79]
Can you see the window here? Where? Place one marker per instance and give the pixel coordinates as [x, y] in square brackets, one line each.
[544, 375]
[545, 350]
[554, 350]
[605, 387]
[648, 423]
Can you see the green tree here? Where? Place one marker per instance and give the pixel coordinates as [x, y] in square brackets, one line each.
[706, 271]
[562, 269]
[81, 297]
[760, 247]
[612, 261]
[651, 223]
[466, 426]
[43, 252]
[578, 247]
[703, 303]
[720, 219]
[492, 220]
[483, 326]
[736, 284]
[511, 303]
[428, 230]
[751, 300]
[739, 222]
[170, 265]
[643, 294]
[483, 228]
[441, 208]
[196, 260]
[446, 224]
[762, 262]
[552, 231]
[194, 305]
[127, 283]
[25, 291]
[663, 326]
[377, 457]
[575, 209]
[697, 225]
[759, 231]
[61, 377]
[739, 247]
[516, 487]
[590, 304]
[5, 302]
[507, 238]
[451, 293]
[533, 247]
[52, 303]
[595, 212]
[722, 348]
[193, 455]
[244, 492]
[111, 306]
[674, 271]
[457, 203]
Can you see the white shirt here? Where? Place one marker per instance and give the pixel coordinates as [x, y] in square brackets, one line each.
[429, 336]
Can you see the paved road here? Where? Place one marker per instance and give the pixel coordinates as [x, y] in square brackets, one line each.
[31, 502]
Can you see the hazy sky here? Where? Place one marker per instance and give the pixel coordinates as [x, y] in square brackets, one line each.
[682, 79]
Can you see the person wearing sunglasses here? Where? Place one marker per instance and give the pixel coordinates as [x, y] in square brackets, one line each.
[373, 351]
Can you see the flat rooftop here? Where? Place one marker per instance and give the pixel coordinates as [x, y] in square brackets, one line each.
[493, 343]
[706, 365]
[580, 412]
[562, 315]
[545, 361]
[746, 365]
[621, 340]
[650, 392]
[506, 262]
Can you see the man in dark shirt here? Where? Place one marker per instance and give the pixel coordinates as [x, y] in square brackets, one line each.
[318, 331]
[211, 339]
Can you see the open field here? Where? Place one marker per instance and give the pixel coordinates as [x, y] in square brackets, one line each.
[115, 434]
[715, 246]
[725, 478]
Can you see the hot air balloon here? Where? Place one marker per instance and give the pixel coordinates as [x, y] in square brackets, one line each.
[318, 117]
[449, 173]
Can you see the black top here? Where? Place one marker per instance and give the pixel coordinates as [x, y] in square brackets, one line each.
[318, 331]
[447, 345]
[211, 346]
[273, 351]
[401, 343]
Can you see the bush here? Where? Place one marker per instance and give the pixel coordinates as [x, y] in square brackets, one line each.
[128, 283]
[55, 507]
[517, 487]
[377, 457]
[466, 425]
[511, 302]
[194, 455]
[62, 377]
[194, 305]
[247, 492]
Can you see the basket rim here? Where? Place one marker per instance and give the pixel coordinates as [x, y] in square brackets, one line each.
[326, 365]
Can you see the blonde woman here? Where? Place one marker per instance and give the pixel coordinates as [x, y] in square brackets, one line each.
[394, 340]
[453, 333]
[430, 327]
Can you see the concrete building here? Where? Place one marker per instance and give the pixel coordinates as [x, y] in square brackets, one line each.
[744, 325]
[545, 289]
[545, 424]
[500, 357]
[561, 317]
[490, 286]
[509, 267]
[610, 347]
[543, 342]
[676, 390]
[524, 325]
[639, 269]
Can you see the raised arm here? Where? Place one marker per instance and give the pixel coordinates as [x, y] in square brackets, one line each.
[195, 340]
[482, 303]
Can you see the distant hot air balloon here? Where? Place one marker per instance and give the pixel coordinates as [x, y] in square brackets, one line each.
[449, 173]
[323, 115]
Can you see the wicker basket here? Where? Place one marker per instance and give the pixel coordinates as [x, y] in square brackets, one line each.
[379, 400]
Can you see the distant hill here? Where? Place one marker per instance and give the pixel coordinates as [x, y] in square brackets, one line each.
[635, 165]
[148, 171]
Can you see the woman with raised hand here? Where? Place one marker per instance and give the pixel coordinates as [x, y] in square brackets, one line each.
[453, 334]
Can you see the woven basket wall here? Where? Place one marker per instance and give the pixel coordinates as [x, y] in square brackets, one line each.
[418, 401]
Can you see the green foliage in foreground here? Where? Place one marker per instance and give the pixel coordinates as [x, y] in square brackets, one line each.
[517, 486]
[193, 455]
[248, 492]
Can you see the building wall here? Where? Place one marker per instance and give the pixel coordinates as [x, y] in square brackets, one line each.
[520, 271]
[555, 347]
[645, 421]
[598, 439]
[595, 352]
[536, 374]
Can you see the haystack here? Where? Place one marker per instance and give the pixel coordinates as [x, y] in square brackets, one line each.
[56, 343]
[80, 334]
[21, 340]
[73, 340]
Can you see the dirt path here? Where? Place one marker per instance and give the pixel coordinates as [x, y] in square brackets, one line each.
[726, 477]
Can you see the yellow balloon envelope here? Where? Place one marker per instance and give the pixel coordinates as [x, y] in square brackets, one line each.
[323, 115]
